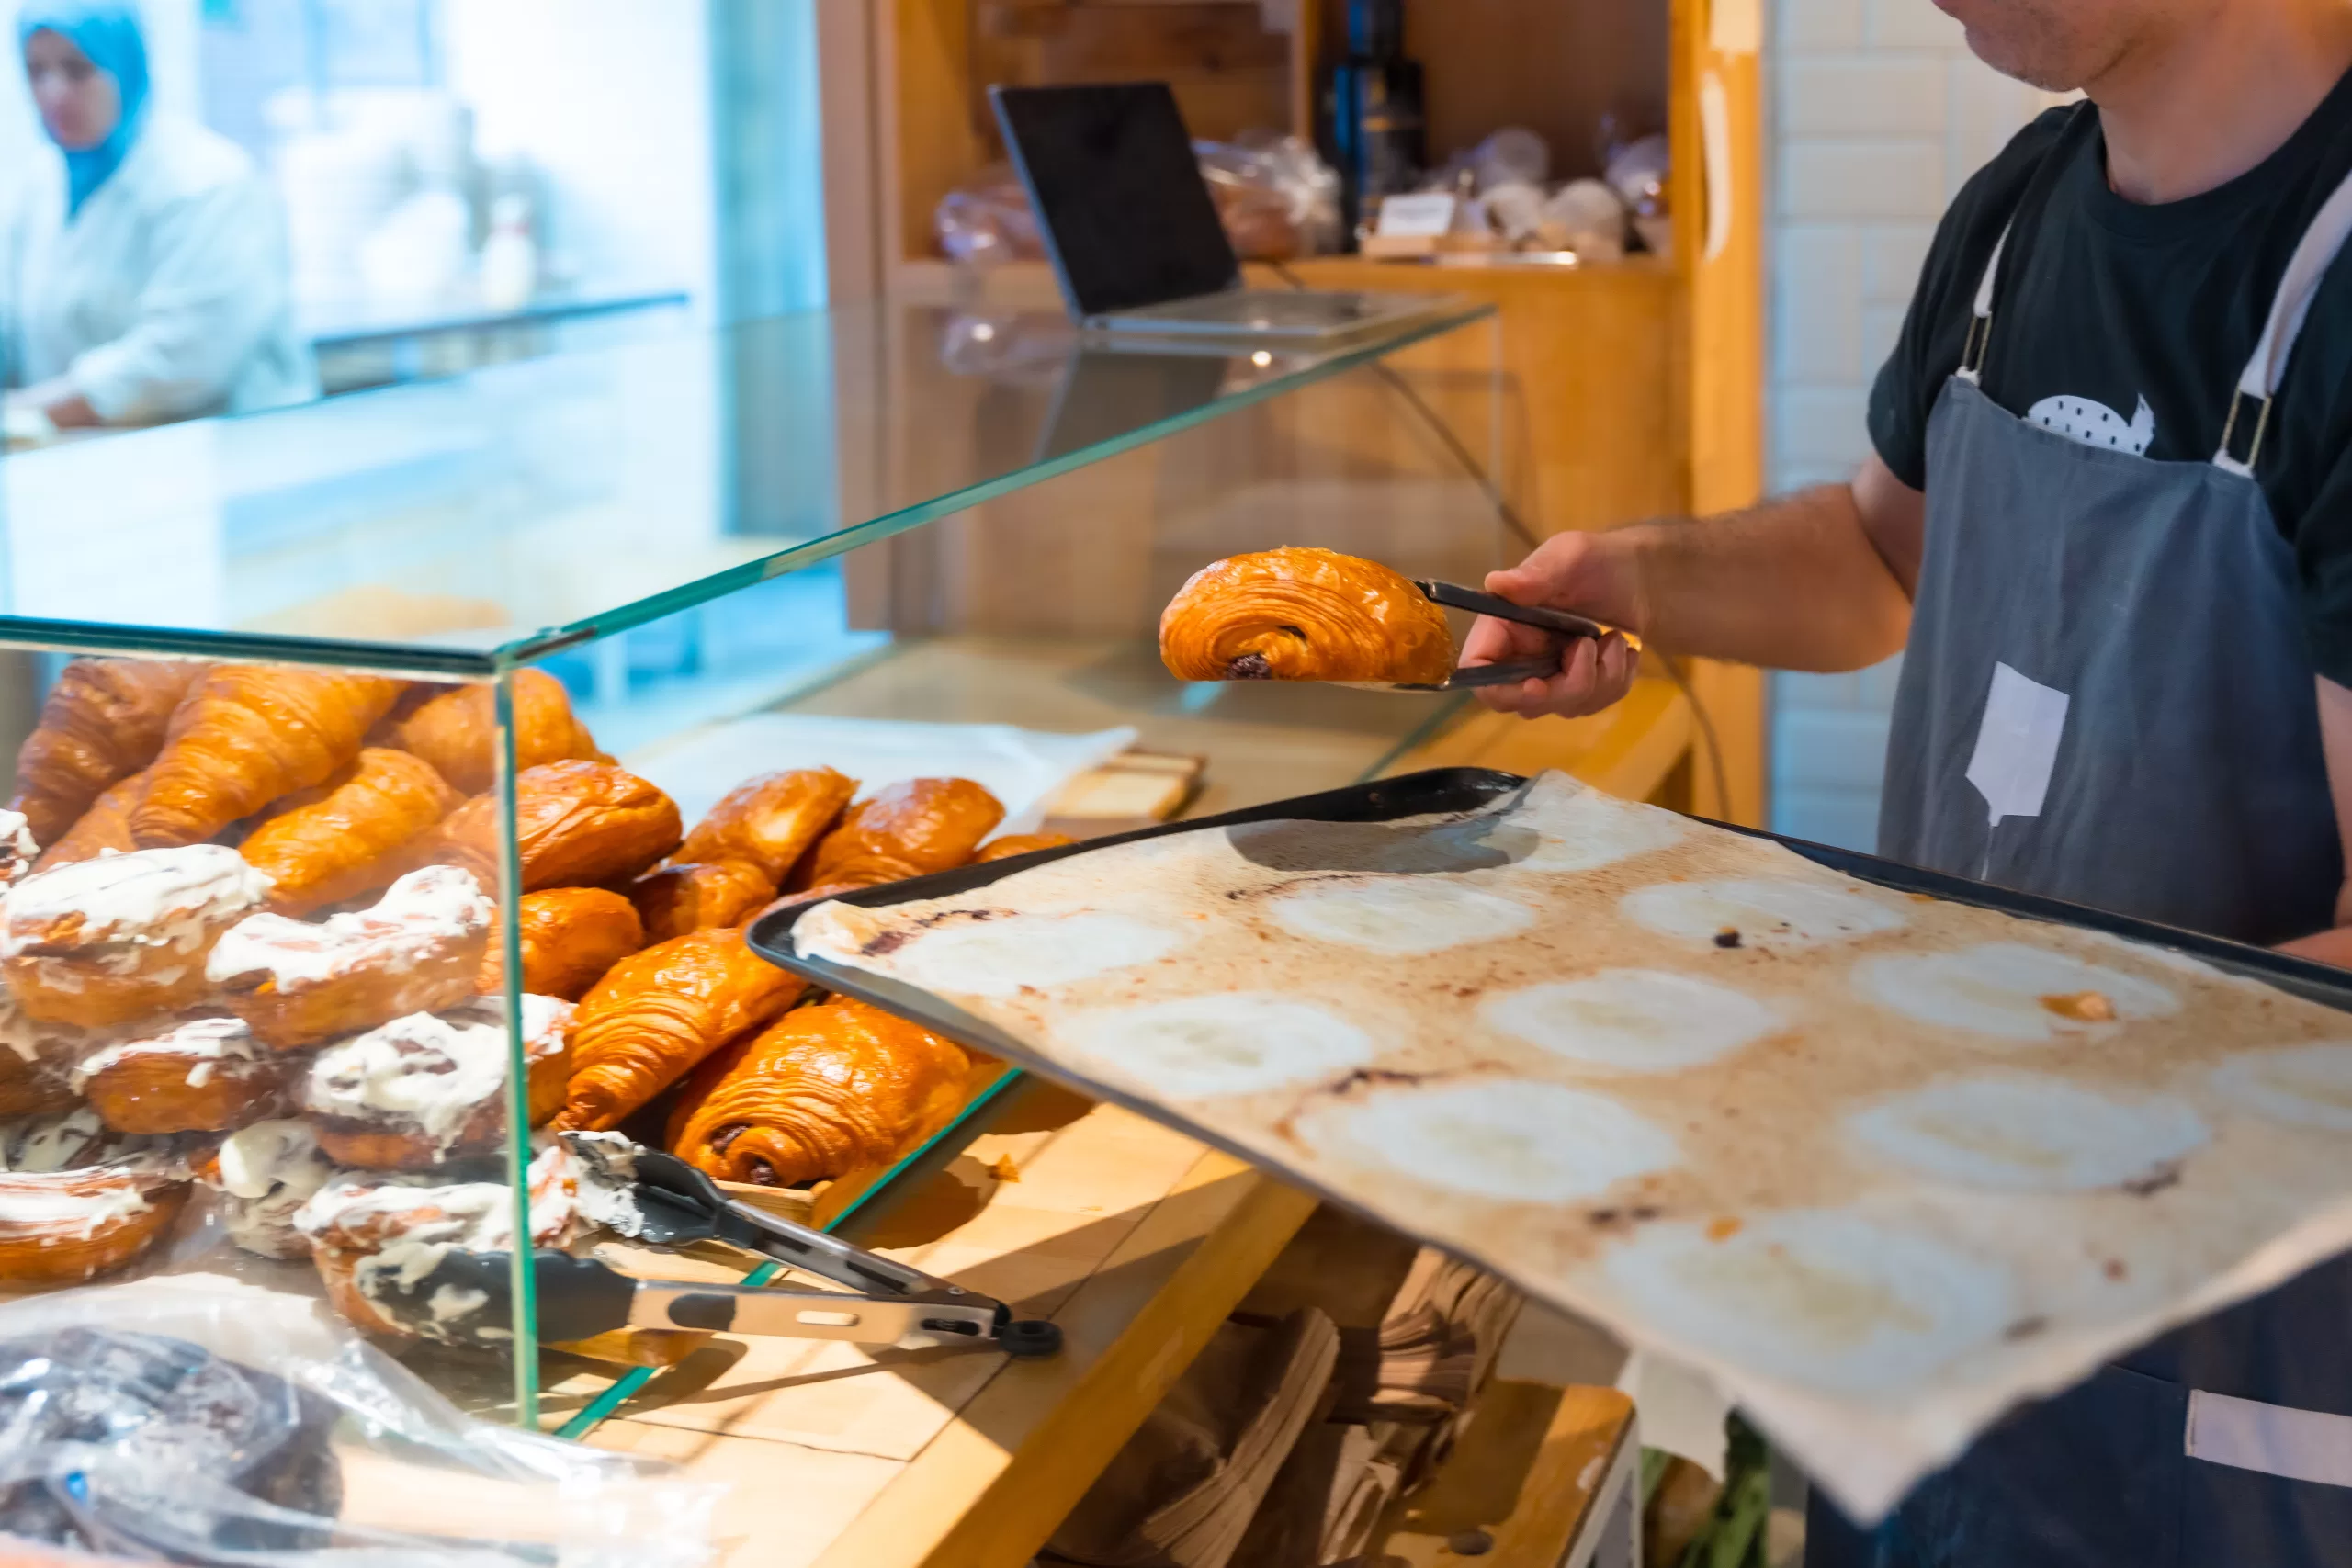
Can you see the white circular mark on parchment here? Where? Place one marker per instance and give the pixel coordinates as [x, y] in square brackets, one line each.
[1516, 1141]
[997, 958]
[2303, 1086]
[1591, 830]
[2028, 1134]
[1196, 1047]
[1644, 1021]
[1399, 915]
[1772, 913]
[2006, 989]
[1821, 1297]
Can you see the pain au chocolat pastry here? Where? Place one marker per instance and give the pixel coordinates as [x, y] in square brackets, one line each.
[350, 835]
[1303, 615]
[682, 898]
[261, 1176]
[822, 1091]
[124, 937]
[577, 824]
[569, 937]
[928, 824]
[247, 734]
[657, 1015]
[1020, 844]
[456, 729]
[104, 827]
[103, 721]
[204, 1075]
[298, 983]
[770, 821]
[78, 1200]
[427, 1089]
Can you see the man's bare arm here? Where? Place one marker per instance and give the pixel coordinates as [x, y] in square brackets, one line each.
[1821, 580]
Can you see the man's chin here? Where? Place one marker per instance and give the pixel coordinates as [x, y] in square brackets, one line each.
[2021, 65]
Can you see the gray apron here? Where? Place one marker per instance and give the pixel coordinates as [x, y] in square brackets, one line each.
[2106, 699]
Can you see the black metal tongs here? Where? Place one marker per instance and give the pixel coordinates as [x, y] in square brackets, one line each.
[1508, 674]
[578, 1298]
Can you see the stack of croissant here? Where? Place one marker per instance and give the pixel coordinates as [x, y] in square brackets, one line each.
[249, 942]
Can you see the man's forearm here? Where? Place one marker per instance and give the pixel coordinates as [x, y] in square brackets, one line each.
[1795, 583]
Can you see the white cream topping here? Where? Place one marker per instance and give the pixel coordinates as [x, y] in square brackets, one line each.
[2028, 1134]
[1642, 1020]
[41, 1145]
[424, 911]
[201, 1041]
[36, 1041]
[431, 1071]
[1515, 1141]
[606, 1165]
[174, 897]
[82, 1214]
[17, 851]
[1772, 913]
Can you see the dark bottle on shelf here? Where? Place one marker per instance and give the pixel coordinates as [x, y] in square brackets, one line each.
[1372, 110]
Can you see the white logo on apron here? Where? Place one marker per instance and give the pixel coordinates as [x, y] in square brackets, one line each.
[2017, 744]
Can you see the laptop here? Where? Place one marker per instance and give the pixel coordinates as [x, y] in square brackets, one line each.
[1134, 234]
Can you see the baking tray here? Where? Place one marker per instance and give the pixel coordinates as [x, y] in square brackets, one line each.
[1467, 789]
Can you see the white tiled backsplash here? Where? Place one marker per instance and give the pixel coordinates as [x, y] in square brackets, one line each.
[1878, 114]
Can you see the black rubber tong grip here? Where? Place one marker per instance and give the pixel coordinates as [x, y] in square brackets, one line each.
[1454, 596]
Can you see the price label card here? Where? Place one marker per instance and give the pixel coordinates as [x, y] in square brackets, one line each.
[1427, 214]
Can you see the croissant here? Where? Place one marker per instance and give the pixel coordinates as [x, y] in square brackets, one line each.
[657, 1014]
[247, 734]
[577, 824]
[684, 897]
[1303, 615]
[569, 937]
[770, 821]
[104, 720]
[825, 1090]
[1020, 844]
[347, 836]
[457, 729]
[105, 826]
[928, 824]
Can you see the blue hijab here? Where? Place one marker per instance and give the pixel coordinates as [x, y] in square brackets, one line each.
[107, 32]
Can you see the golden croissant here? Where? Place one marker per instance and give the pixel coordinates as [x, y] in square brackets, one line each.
[654, 1016]
[456, 729]
[770, 821]
[105, 826]
[683, 896]
[577, 824]
[926, 824]
[348, 836]
[1303, 615]
[826, 1090]
[247, 734]
[569, 937]
[103, 721]
[1020, 844]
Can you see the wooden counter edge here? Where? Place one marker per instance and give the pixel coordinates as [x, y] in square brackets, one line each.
[966, 1501]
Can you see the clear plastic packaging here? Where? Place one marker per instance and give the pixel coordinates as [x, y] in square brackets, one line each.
[198, 1422]
[987, 221]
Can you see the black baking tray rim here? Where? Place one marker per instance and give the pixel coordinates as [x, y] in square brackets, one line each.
[1443, 790]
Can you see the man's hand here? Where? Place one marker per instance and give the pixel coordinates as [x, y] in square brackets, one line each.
[1588, 574]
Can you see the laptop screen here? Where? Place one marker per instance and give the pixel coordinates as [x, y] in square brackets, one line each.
[1126, 215]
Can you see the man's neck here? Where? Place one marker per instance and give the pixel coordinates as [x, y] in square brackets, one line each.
[2184, 113]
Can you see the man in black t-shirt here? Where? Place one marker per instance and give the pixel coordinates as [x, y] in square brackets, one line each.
[2108, 519]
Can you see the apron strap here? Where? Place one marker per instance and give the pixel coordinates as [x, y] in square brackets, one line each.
[2258, 383]
[1980, 325]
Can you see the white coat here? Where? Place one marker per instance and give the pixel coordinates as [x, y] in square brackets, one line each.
[166, 297]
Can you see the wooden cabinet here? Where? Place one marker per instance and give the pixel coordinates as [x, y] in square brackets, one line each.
[1632, 389]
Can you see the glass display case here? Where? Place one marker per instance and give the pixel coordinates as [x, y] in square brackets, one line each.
[393, 776]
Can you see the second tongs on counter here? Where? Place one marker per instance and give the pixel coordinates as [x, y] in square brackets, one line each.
[1302, 614]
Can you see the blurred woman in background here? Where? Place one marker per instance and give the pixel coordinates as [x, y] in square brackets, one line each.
[143, 274]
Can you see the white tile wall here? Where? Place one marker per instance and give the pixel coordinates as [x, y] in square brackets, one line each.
[1878, 114]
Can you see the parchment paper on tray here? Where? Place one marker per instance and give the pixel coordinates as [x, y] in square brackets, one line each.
[1879, 1164]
